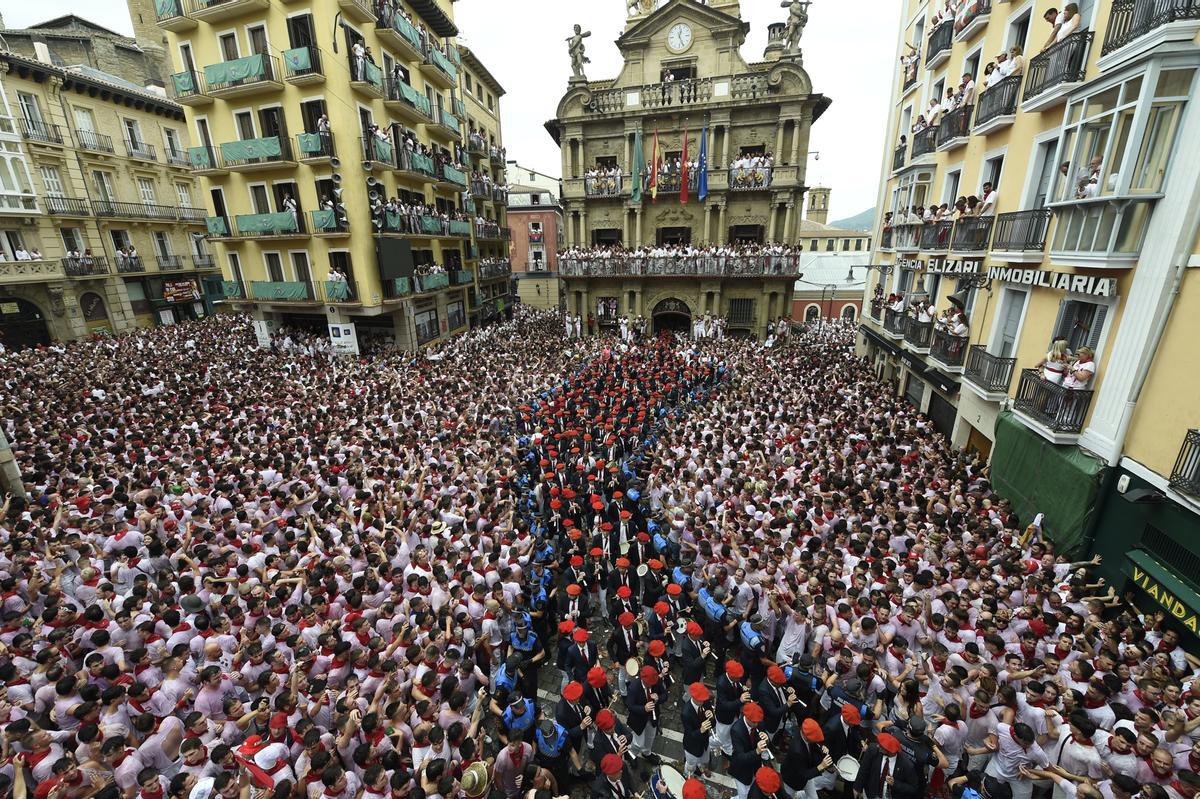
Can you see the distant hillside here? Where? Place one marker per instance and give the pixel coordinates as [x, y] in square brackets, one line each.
[863, 221]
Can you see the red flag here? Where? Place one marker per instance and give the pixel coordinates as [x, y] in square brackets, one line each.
[654, 167]
[683, 174]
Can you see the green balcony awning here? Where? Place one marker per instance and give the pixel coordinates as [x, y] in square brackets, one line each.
[311, 143]
[216, 225]
[200, 158]
[439, 280]
[324, 219]
[231, 288]
[459, 227]
[431, 224]
[280, 290]
[298, 59]
[382, 150]
[450, 121]
[1165, 589]
[168, 8]
[250, 149]
[393, 220]
[373, 74]
[423, 163]
[184, 82]
[462, 276]
[267, 223]
[454, 176]
[405, 29]
[443, 63]
[411, 95]
[251, 67]
[401, 286]
[337, 290]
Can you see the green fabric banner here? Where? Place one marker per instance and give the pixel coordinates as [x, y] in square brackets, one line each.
[168, 8]
[373, 74]
[454, 56]
[325, 219]
[444, 64]
[337, 290]
[185, 83]
[200, 158]
[266, 223]
[423, 163]
[450, 121]
[433, 282]
[250, 149]
[231, 288]
[462, 277]
[405, 29]
[382, 150]
[1059, 480]
[298, 59]
[216, 225]
[310, 143]
[252, 66]
[280, 290]
[639, 168]
[431, 224]
[414, 97]
[459, 227]
[392, 220]
[401, 286]
[454, 176]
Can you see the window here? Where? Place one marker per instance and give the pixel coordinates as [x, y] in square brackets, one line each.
[811, 313]
[848, 313]
[845, 245]
[10, 242]
[491, 103]
[427, 325]
[828, 245]
[858, 245]
[993, 168]
[16, 188]
[274, 267]
[133, 132]
[183, 193]
[72, 240]
[1013, 310]
[1018, 31]
[30, 109]
[171, 137]
[85, 120]
[162, 244]
[456, 315]
[146, 191]
[52, 180]
[467, 83]
[235, 269]
[104, 185]
[741, 312]
[229, 47]
[951, 186]
[1080, 323]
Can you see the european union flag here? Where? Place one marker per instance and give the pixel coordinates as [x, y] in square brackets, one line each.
[702, 179]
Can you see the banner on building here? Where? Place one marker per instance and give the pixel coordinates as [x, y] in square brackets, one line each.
[1063, 281]
[344, 338]
[180, 291]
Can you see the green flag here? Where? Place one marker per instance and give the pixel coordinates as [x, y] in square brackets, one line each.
[639, 168]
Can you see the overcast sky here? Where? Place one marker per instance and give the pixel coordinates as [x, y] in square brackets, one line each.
[848, 53]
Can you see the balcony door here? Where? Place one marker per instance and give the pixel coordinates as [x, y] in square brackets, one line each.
[1046, 172]
[104, 187]
[245, 125]
[31, 111]
[259, 199]
[85, 121]
[274, 267]
[1010, 321]
[258, 41]
[302, 270]
[673, 236]
[271, 123]
[300, 31]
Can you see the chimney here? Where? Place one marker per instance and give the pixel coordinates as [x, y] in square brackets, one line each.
[774, 41]
[42, 52]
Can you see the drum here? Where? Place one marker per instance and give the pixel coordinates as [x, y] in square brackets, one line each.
[681, 625]
[666, 783]
[642, 570]
[847, 768]
[632, 667]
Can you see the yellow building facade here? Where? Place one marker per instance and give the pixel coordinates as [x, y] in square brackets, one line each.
[101, 228]
[684, 76]
[341, 157]
[1086, 235]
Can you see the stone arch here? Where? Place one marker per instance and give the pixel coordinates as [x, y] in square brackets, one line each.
[849, 312]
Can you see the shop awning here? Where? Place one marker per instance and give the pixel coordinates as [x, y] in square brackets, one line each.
[1165, 589]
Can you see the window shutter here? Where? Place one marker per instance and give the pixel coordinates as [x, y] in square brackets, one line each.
[1093, 335]
[1062, 325]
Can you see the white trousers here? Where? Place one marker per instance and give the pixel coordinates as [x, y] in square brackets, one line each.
[693, 763]
[820, 782]
[643, 742]
[743, 791]
[724, 742]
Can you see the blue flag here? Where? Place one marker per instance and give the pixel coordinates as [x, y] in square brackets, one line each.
[702, 178]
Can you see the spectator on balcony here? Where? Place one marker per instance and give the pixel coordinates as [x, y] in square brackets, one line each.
[972, 206]
[987, 203]
[919, 125]
[944, 14]
[1015, 61]
[35, 254]
[966, 90]
[1054, 365]
[1071, 22]
[290, 207]
[21, 254]
[934, 110]
[358, 52]
[991, 75]
[1079, 375]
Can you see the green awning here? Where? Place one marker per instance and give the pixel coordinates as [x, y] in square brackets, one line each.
[450, 121]
[324, 219]
[382, 150]
[454, 175]
[250, 149]
[216, 225]
[239, 69]
[1160, 584]
[168, 8]
[200, 158]
[405, 29]
[373, 74]
[184, 82]
[431, 224]
[337, 290]
[443, 63]
[423, 163]
[393, 220]
[230, 288]
[298, 59]
[459, 227]
[280, 290]
[267, 223]
[414, 97]
[310, 143]
[401, 286]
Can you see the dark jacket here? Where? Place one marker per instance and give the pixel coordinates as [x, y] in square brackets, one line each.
[745, 760]
[601, 788]
[636, 698]
[695, 742]
[840, 742]
[801, 763]
[729, 700]
[576, 665]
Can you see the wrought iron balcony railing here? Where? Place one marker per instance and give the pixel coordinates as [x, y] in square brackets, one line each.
[947, 348]
[1061, 409]
[1063, 62]
[1185, 476]
[650, 266]
[998, 101]
[1130, 20]
[1021, 231]
[990, 372]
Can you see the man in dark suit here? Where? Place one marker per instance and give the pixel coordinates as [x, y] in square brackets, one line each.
[614, 780]
[843, 735]
[691, 652]
[581, 656]
[877, 767]
[748, 748]
[573, 604]
[642, 701]
[622, 645]
[773, 697]
[808, 767]
[698, 720]
[612, 737]
[575, 719]
[732, 694]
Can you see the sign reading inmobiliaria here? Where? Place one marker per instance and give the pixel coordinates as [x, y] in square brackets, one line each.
[1063, 281]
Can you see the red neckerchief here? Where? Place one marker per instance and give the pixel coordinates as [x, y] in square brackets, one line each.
[938, 667]
[155, 794]
[1094, 704]
[977, 712]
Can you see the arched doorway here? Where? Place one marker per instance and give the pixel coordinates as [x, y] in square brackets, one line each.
[22, 324]
[812, 313]
[95, 314]
[673, 315]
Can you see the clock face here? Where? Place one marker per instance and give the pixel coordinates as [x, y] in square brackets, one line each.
[679, 38]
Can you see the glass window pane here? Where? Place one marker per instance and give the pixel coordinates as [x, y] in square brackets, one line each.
[1087, 231]
[1065, 188]
[1111, 174]
[1104, 101]
[1073, 114]
[1108, 218]
[1174, 83]
[1133, 88]
[1151, 167]
[1133, 227]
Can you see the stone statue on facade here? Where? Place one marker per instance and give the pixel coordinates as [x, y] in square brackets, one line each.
[634, 8]
[576, 50]
[797, 19]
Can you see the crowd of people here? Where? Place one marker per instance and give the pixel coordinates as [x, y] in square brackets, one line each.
[751, 170]
[603, 180]
[279, 573]
[965, 207]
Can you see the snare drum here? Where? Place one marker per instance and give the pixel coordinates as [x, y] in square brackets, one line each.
[847, 768]
[666, 783]
[632, 667]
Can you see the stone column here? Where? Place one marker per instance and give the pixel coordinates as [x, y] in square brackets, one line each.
[584, 238]
[721, 226]
[787, 224]
[627, 166]
[779, 140]
[707, 225]
[773, 221]
[638, 241]
[725, 149]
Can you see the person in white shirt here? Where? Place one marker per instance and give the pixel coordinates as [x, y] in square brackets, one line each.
[987, 203]
[1070, 22]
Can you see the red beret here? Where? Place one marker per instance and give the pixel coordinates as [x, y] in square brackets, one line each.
[656, 564]
[624, 592]
[649, 675]
[626, 619]
[579, 636]
[656, 648]
[662, 608]
[699, 691]
[694, 789]
[611, 764]
[753, 712]
[605, 720]
[576, 561]
[694, 629]
[643, 537]
[674, 589]
[595, 552]
[888, 743]
[575, 589]
[767, 779]
[572, 692]
[812, 731]
[851, 715]
[622, 563]
[565, 627]
[776, 675]
[597, 678]
[734, 669]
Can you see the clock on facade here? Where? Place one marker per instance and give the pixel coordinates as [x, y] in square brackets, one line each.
[679, 38]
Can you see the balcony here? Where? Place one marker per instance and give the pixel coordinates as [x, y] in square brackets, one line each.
[243, 76]
[169, 263]
[460, 228]
[1020, 236]
[898, 159]
[379, 151]
[894, 322]
[1185, 476]
[39, 132]
[449, 177]
[436, 281]
[885, 238]
[476, 144]
[193, 216]
[171, 16]
[1054, 72]
[941, 41]
[254, 155]
[461, 277]
[415, 165]
[907, 238]
[971, 234]
[206, 161]
[924, 143]
[120, 210]
[407, 103]
[85, 266]
[482, 191]
[672, 183]
[66, 206]
[948, 351]
[595, 186]
[726, 266]
[490, 231]
[743, 179]
[1055, 412]
[972, 19]
[315, 148]
[497, 156]
[876, 311]
[357, 10]
[918, 335]
[140, 150]
[39, 271]
[910, 74]
[204, 261]
[189, 88]
[94, 142]
[499, 195]
[289, 291]
[127, 265]
[218, 10]
[340, 291]
[997, 106]
[231, 290]
[277, 225]
[955, 129]
[935, 236]
[494, 270]
[177, 158]
[1139, 26]
[302, 66]
[445, 125]
[326, 224]
[394, 29]
[438, 69]
[370, 82]
[397, 288]
[217, 227]
[989, 376]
